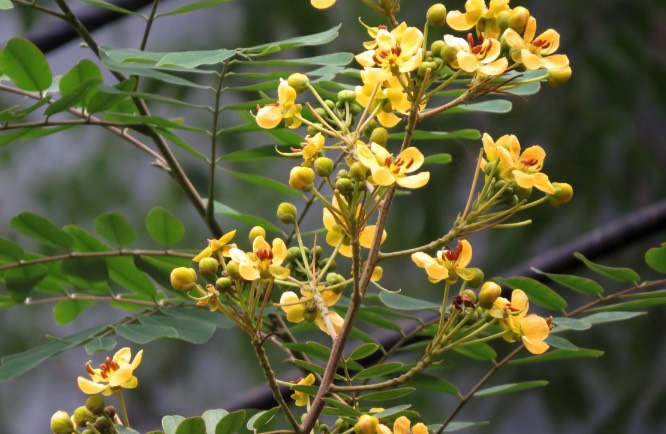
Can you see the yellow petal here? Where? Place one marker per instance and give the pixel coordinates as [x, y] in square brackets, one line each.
[322, 4]
[382, 176]
[294, 311]
[420, 428]
[366, 156]
[458, 21]
[366, 58]
[465, 256]
[414, 181]
[388, 120]
[401, 425]
[137, 360]
[436, 272]
[534, 346]
[122, 356]
[467, 61]
[248, 271]
[415, 156]
[519, 300]
[367, 236]
[495, 68]
[90, 387]
[269, 116]
[278, 271]
[279, 250]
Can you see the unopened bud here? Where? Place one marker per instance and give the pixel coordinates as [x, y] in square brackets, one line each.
[469, 294]
[287, 213]
[183, 279]
[102, 424]
[110, 411]
[421, 71]
[366, 424]
[379, 136]
[490, 291]
[302, 178]
[232, 270]
[208, 266]
[310, 313]
[82, 416]
[477, 277]
[323, 166]
[557, 77]
[61, 423]
[518, 19]
[95, 404]
[347, 96]
[298, 81]
[563, 194]
[345, 186]
[223, 284]
[293, 253]
[436, 15]
[448, 54]
[437, 47]
[333, 279]
[359, 172]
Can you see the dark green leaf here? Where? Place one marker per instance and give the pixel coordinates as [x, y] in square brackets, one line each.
[403, 302]
[438, 159]
[73, 98]
[264, 182]
[163, 227]
[230, 423]
[100, 344]
[308, 40]
[314, 349]
[25, 134]
[490, 106]
[124, 272]
[193, 332]
[250, 220]
[86, 269]
[509, 388]
[605, 317]
[254, 154]
[68, 310]
[142, 334]
[193, 59]
[10, 251]
[379, 370]
[197, 314]
[387, 394]
[109, 6]
[170, 423]
[115, 228]
[652, 294]
[571, 323]
[378, 320]
[108, 97]
[456, 426]
[310, 367]
[193, 7]
[575, 283]
[391, 411]
[561, 343]
[656, 259]
[182, 144]
[25, 65]
[192, 425]
[559, 355]
[621, 274]
[363, 351]
[468, 134]
[536, 291]
[340, 408]
[42, 230]
[212, 418]
[334, 59]
[21, 280]
[637, 304]
[261, 419]
[478, 351]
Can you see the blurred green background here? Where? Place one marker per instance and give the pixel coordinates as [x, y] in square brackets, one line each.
[604, 134]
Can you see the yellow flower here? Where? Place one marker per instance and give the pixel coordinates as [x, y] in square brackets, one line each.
[531, 329]
[322, 4]
[448, 264]
[536, 53]
[402, 426]
[311, 147]
[366, 424]
[264, 262]
[298, 307]
[390, 96]
[270, 115]
[475, 11]
[387, 170]
[302, 399]
[336, 232]
[399, 51]
[481, 58]
[210, 299]
[113, 374]
[222, 245]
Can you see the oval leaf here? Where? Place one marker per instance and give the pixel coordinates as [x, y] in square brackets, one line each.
[261, 419]
[192, 425]
[115, 228]
[536, 291]
[25, 65]
[621, 274]
[403, 302]
[656, 259]
[511, 387]
[68, 310]
[379, 370]
[478, 351]
[230, 423]
[559, 355]
[604, 317]
[21, 280]
[387, 394]
[42, 230]
[10, 250]
[575, 283]
[363, 351]
[100, 344]
[212, 418]
[163, 227]
[170, 423]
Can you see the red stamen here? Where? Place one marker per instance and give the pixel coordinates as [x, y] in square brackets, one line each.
[529, 161]
[263, 255]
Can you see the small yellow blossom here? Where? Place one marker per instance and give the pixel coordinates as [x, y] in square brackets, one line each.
[211, 299]
[296, 308]
[265, 262]
[112, 375]
[270, 115]
[322, 4]
[302, 399]
[475, 11]
[482, 58]
[337, 232]
[513, 318]
[390, 96]
[448, 264]
[222, 245]
[536, 53]
[399, 51]
[402, 425]
[387, 170]
[311, 147]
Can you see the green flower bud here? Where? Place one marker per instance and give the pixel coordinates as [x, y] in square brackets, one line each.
[298, 81]
[287, 213]
[332, 266]
[448, 54]
[317, 252]
[232, 270]
[436, 15]
[87, 431]
[370, 127]
[183, 279]
[330, 104]
[345, 186]
[61, 423]
[476, 279]
[366, 424]
[355, 109]
[347, 96]
[95, 404]
[342, 173]
[557, 77]
[490, 291]
[208, 266]
[380, 136]
[293, 253]
[522, 193]
[469, 294]
[323, 166]
[518, 19]
[223, 284]
[102, 424]
[256, 231]
[302, 178]
[82, 416]
[333, 279]
[312, 130]
[321, 112]
[310, 313]
[563, 194]
[359, 172]
[503, 20]
[424, 66]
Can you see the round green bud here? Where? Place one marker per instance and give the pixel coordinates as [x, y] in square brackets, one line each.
[232, 270]
[355, 109]
[503, 20]
[298, 81]
[469, 294]
[82, 416]
[287, 213]
[563, 194]
[512, 200]
[448, 54]
[330, 104]
[421, 71]
[321, 112]
[61, 423]
[102, 424]
[183, 279]
[95, 404]
[223, 284]
[522, 193]
[370, 127]
[518, 19]
[293, 253]
[317, 252]
[332, 264]
[333, 279]
[312, 130]
[477, 278]
[342, 173]
[436, 15]
[87, 431]
[306, 250]
[345, 186]
[341, 423]
[380, 136]
[489, 292]
[208, 266]
[359, 172]
[302, 178]
[256, 231]
[324, 166]
[347, 96]
[557, 77]
[310, 313]
[109, 411]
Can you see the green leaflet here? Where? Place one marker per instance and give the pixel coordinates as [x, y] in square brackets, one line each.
[192, 7]
[509, 388]
[25, 65]
[163, 227]
[42, 230]
[621, 274]
[115, 228]
[537, 292]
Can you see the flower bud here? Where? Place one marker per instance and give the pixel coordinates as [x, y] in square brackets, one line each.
[109, 411]
[557, 77]
[312, 130]
[208, 266]
[490, 291]
[310, 313]
[323, 166]
[563, 194]
[424, 66]
[223, 284]
[476, 279]
[436, 15]
[61, 423]
[518, 19]
[82, 416]
[370, 127]
[437, 47]
[333, 279]
[469, 294]
[379, 136]
[232, 270]
[298, 81]
[302, 178]
[342, 173]
[102, 424]
[183, 279]
[95, 404]
[366, 424]
[345, 186]
[286, 213]
[448, 54]
[503, 20]
[347, 96]
[293, 253]
[317, 252]
[359, 172]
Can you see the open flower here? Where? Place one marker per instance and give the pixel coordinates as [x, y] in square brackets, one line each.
[399, 51]
[311, 147]
[481, 58]
[302, 399]
[402, 425]
[390, 96]
[214, 246]
[301, 308]
[270, 115]
[387, 170]
[531, 329]
[265, 262]
[448, 264]
[322, 4]
[112, 375]
[475, 11]
[337, 232]
[536, 53]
